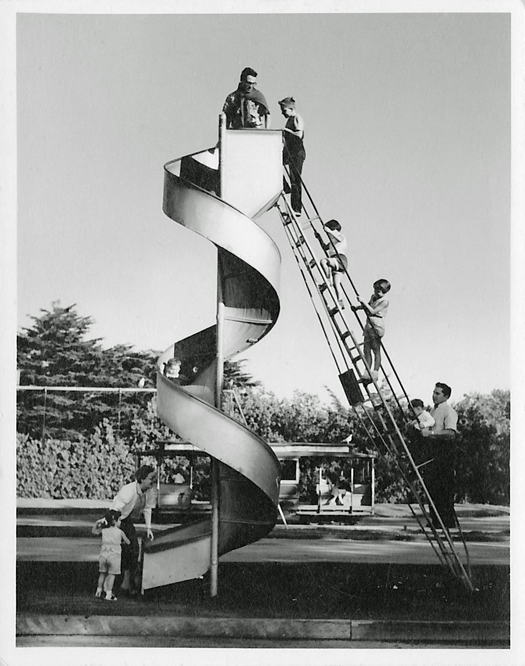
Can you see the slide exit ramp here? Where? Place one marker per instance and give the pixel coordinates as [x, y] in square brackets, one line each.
[382, 406]
[219, 193]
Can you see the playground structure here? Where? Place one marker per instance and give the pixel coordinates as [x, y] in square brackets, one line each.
[219, 193]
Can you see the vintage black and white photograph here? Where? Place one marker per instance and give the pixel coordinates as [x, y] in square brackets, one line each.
[262, 318]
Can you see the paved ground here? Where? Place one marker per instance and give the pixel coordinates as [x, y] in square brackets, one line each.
[61, 549]
[374, 580]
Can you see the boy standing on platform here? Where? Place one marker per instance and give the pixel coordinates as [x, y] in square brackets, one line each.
[294, 153]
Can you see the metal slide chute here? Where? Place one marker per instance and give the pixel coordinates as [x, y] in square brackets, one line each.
[248, 278]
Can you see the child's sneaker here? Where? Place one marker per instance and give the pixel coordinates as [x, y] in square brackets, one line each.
[110, 597]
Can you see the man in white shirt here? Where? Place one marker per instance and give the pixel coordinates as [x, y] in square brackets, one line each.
[439, 476]
[135, 498]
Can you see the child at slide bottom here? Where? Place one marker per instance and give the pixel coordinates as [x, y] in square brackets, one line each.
[110, 552]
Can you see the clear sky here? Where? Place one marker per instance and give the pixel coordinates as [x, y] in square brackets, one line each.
[408, 146]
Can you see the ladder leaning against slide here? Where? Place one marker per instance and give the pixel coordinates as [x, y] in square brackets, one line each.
[385, 402]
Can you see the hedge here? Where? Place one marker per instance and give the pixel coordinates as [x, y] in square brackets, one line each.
[95, 467]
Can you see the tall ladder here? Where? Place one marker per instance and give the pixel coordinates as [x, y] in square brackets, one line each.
[379, 404]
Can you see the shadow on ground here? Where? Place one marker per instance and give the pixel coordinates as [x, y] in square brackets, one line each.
[312, 590]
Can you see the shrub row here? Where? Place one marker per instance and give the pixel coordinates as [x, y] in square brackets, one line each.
[95, 467]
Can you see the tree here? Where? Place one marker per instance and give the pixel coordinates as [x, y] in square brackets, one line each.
[235, 377]
[483, 462]
[54, 351]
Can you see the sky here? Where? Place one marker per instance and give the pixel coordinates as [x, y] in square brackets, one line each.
[408, 145]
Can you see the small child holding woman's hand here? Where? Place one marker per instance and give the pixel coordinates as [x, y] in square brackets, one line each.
[110, 552]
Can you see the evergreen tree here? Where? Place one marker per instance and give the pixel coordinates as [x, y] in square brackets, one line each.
[235, 377]
[54, 351]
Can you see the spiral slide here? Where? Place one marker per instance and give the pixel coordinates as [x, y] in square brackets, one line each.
[245, 169]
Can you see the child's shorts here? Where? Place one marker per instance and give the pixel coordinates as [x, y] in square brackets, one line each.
[342, 263]
[373, 332]
[109, 563]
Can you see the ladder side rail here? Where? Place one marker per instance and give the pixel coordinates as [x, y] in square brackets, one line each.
[456, 564]
[301, 240]
[392, 419]
[444, 538]
[298, 249]
[387, 378]
[323, 328]
[362, 327]
[325, 246]
[318, 215]
[423, 527]
[467, 554]
[441, 552]
[303, 185]
[300, 237]
[391, 365]
[383, 349]
[299, 244]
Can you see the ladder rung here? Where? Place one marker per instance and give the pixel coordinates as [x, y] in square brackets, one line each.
[350, 349]
[401, 397]
[312, 219]
[383, 431]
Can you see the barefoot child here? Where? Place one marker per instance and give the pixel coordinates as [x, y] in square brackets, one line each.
[110, 552]
[376, 310]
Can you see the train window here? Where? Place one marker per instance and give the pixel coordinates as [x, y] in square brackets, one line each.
[290, 470]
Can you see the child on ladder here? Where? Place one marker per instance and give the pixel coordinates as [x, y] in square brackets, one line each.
[376, 310]
[336, 263]
[110, 552]
[423, 419]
